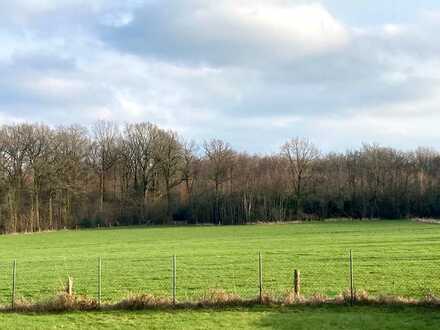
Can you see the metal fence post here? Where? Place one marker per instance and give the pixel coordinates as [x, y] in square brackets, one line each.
[352, 297]
[14, 282]
[99, 281]
[174, 279]
[260, 276]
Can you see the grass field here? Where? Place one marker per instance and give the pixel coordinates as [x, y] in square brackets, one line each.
[390, 257]
[302, 317]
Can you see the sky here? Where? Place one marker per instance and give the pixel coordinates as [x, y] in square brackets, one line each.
[251, 72]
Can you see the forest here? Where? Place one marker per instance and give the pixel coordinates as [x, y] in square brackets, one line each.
[139, 174]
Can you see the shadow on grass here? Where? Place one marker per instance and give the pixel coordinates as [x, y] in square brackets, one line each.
[256, 317]
[347, 317]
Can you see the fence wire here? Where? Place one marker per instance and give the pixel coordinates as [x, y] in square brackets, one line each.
[199, 274]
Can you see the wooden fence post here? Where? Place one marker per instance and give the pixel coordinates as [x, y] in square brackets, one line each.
[297, 282]
[260, 276]
[14, 282]
[69, 286]
[352, 297]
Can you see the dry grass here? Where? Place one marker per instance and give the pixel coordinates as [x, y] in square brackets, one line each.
[219, 298]
[143, 301]
[63, 302]
[361, 297]
[291, 298]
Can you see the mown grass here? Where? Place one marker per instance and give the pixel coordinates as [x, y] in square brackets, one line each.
[390, 257]
[299, 317]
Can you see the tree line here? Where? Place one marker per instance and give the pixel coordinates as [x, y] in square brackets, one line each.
[108, 175]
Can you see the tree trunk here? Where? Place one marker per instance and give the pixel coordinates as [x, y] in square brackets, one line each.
[31, 218]
[299, 197]
[50, 212]
[168, 196]
[12, 215]
[37, 210]
[101, 199]
[145, 203]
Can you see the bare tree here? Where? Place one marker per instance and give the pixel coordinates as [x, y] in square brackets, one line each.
[300, 154]
[56, 177]
[170, 161]
[142, 141]
[14, 147]
[220, 157]
[104, 152]
[71, 171]
[39, 151]
[191, 166]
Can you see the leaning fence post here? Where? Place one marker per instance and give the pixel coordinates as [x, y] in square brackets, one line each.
[174, 279]
[297, 282]
[260, 276]
[14, 282]
[69, 286]
[352, 297]
[99, 281]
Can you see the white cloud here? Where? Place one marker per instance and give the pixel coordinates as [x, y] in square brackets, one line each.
[393, 30]
[290, 31]
[230, 32]
[252, 72]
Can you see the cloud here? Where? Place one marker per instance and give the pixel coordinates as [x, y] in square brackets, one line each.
[252, 72]
[229, 32]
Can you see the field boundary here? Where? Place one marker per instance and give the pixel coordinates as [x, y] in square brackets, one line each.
[178, 224]
[169, 284]
[218, 299]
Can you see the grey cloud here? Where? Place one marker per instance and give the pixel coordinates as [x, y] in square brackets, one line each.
[208, 32]
[156, 61]
[341, 79]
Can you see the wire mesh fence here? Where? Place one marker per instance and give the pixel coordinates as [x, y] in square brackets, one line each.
[111, 279]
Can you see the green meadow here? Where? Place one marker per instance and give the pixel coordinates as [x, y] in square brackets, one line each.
[300, 318]
[389, 257]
